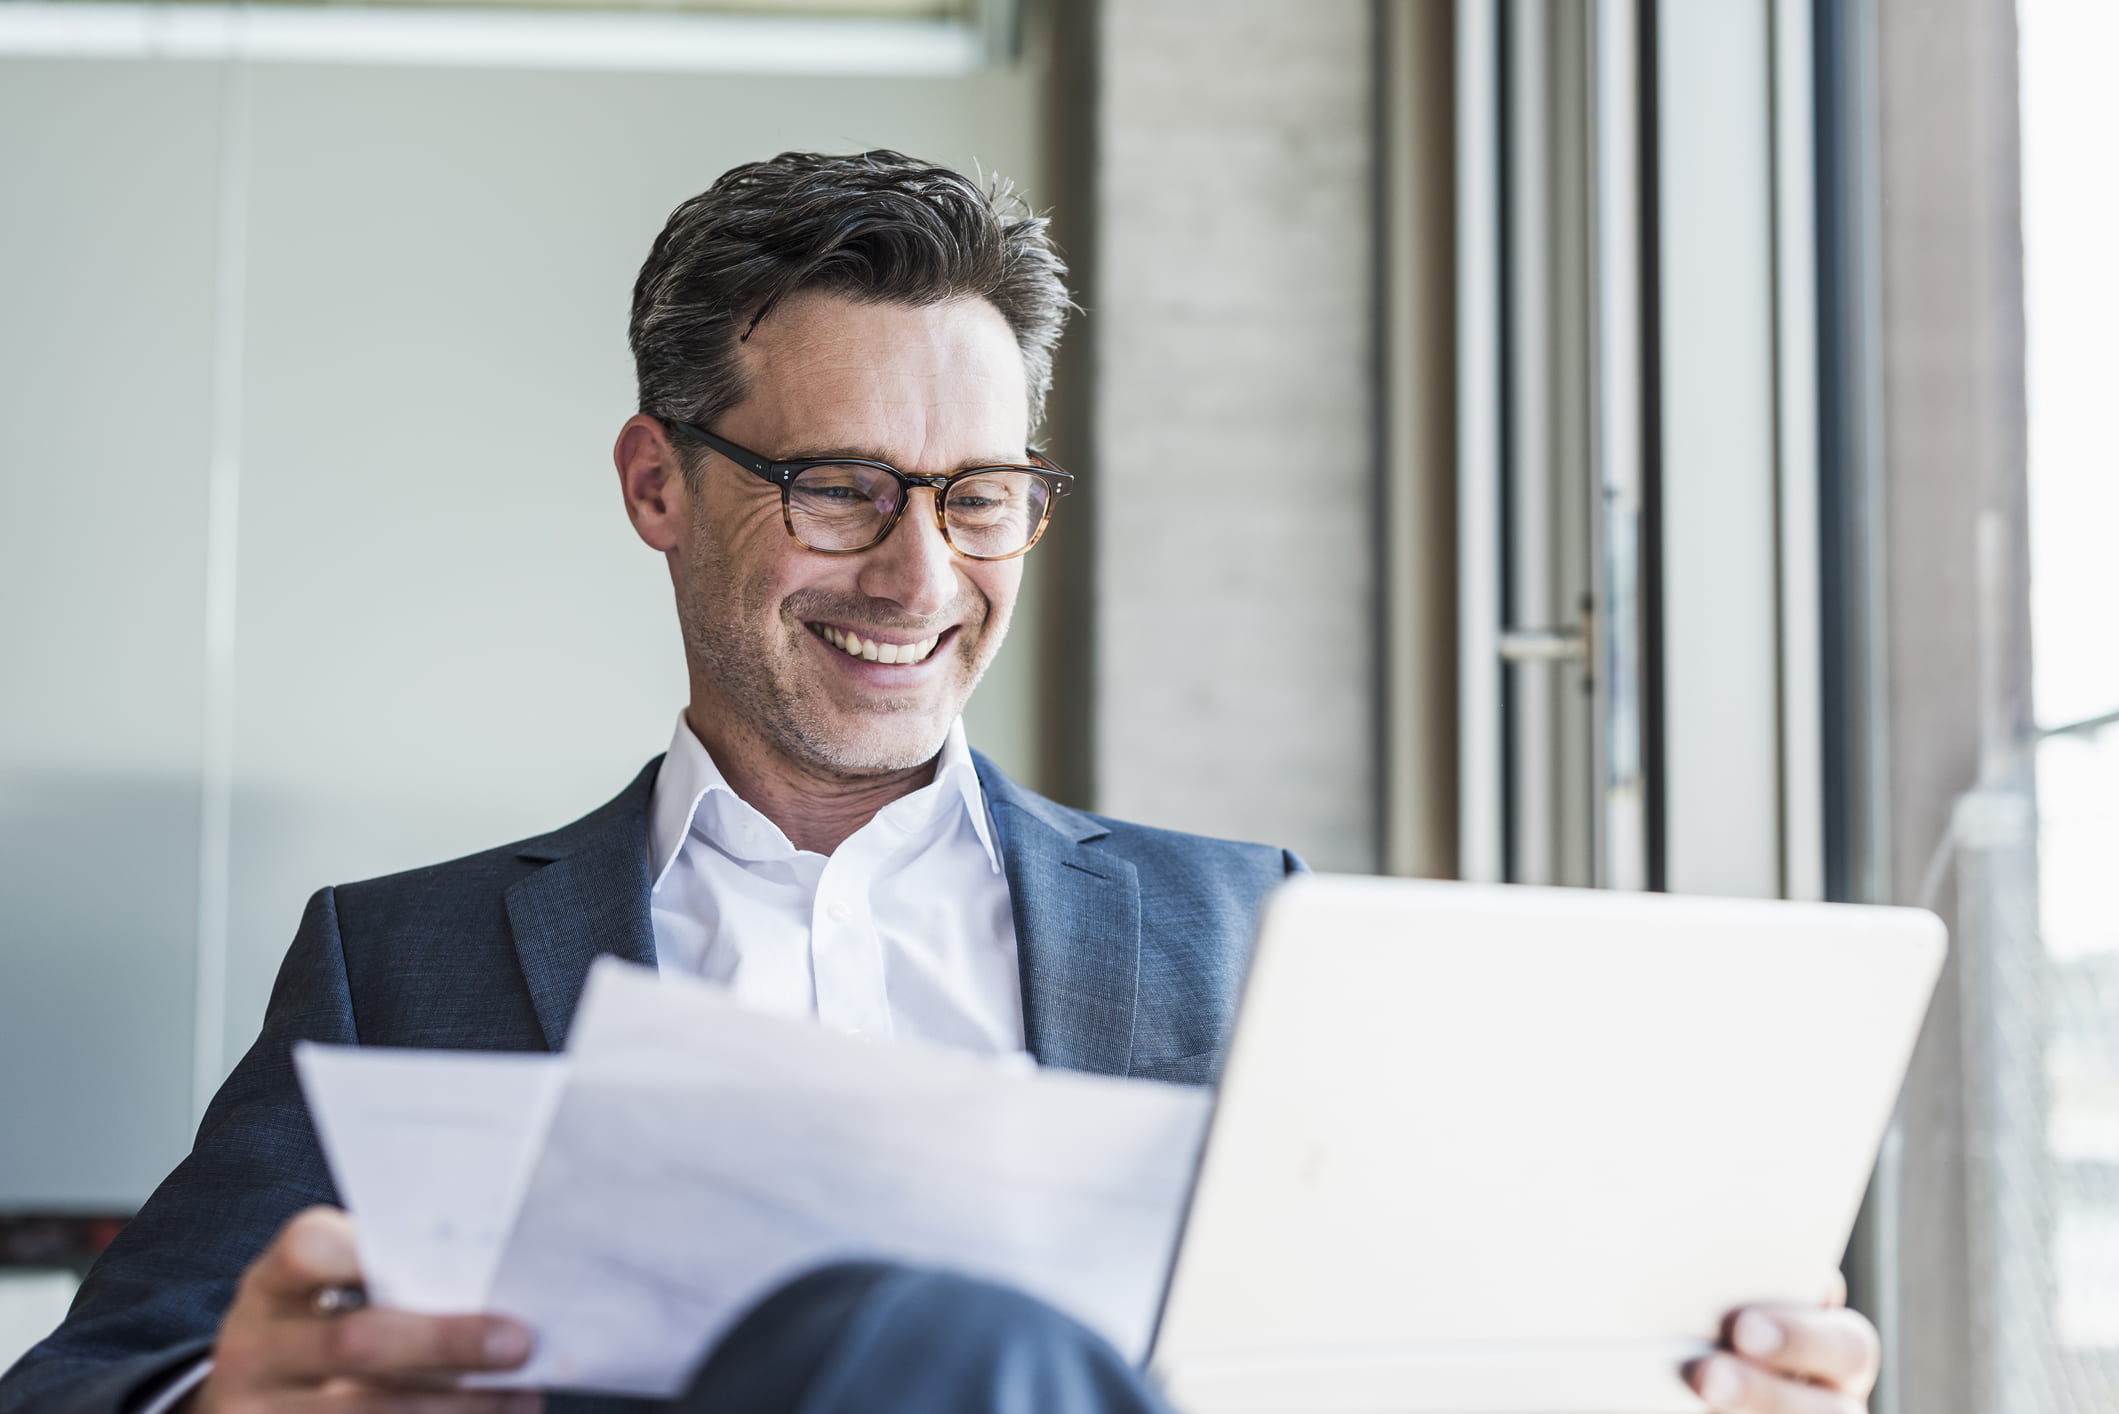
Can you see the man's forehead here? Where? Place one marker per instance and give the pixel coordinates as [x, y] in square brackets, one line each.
[849, 377]
[817, 333]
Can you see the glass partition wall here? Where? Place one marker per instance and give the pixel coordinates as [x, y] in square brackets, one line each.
[1742, 565]
[1637, 469]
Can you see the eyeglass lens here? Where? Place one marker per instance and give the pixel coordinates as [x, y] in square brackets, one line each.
[846, 506]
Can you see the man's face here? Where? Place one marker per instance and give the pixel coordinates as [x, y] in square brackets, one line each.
[928, 390]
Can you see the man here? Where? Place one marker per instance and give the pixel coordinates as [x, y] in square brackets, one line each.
[840, 359]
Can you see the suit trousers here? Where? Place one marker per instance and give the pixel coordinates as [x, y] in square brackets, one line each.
[874, 1338]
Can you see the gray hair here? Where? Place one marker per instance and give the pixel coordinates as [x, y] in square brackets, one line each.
[877, 227]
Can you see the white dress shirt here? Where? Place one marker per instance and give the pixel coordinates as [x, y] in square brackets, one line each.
[904, 931]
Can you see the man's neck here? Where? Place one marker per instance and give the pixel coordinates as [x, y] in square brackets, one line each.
[817, 811]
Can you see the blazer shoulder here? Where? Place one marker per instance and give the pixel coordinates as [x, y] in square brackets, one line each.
[1145, 846]
[1154, 844]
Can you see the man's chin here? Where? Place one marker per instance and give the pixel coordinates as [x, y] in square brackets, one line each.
[899, 741]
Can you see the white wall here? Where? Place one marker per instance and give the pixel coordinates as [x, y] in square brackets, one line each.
[444, 634]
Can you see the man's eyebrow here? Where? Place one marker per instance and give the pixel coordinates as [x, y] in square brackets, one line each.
[860, 454]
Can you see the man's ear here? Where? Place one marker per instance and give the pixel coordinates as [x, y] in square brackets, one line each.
[651, 478]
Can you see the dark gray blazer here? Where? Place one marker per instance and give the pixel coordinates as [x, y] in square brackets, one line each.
[1133, 945]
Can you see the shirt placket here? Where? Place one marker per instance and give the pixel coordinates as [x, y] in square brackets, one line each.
[846, 952]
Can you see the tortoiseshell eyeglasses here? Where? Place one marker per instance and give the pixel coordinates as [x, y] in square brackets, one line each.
[844, 505]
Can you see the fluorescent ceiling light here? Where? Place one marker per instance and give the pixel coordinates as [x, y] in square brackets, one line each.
[543, 38]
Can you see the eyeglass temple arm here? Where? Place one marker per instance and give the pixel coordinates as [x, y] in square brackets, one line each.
[742, 456]
[1062, 480]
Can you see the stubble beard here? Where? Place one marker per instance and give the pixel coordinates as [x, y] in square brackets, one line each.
[759, 675]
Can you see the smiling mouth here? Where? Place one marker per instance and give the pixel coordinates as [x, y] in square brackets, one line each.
[869, 650]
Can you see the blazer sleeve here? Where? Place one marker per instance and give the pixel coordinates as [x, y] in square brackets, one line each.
[153, 1301]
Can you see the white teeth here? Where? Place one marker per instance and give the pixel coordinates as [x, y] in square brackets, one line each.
[868, 650]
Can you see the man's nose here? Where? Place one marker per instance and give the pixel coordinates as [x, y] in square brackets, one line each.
[914, 568]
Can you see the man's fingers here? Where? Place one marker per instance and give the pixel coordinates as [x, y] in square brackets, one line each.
[315, 1249]
[379, 1344]
[275, 1342]
[1831, 1346]
[1733, 1386]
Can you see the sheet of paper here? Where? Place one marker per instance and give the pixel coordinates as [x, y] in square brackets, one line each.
[702, 1154]
[432, 1151]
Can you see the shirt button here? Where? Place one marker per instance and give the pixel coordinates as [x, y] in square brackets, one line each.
[839, 913]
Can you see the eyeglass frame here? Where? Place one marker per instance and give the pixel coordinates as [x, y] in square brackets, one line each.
[783, 473]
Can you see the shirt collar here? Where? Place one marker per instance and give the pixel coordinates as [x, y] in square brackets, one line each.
[688, 776]
[954, 771]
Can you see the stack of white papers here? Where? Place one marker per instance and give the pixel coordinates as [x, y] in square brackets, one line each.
[633, 1198]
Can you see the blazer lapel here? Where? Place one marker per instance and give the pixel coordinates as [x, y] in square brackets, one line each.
[1077, 918]
[1077, 929]
[590, 897]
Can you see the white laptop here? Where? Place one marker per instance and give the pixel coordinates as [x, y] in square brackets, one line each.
[1519, 1150]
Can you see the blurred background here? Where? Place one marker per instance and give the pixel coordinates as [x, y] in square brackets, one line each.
[1642, 443]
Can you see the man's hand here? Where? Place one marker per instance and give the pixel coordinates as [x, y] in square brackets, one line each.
[1792, 1360]
[276, 1352]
